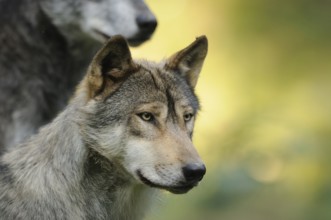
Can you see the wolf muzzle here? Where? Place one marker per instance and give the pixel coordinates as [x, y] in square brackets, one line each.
[193, 173]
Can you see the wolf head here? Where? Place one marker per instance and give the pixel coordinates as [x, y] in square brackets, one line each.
[141, 114]
[101, 19]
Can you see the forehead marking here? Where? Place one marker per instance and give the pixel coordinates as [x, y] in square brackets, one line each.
[171, 106]
[170, 99]
[154, 80]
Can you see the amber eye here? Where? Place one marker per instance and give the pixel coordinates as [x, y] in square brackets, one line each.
[146, 116]
[188, 117]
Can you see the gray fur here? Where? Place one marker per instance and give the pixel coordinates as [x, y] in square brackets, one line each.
[46, 46]
[80, 165]
[55, 176]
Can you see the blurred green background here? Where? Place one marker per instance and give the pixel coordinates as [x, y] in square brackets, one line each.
[264, 131]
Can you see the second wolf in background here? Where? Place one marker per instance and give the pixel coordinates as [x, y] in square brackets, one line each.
[45, 47]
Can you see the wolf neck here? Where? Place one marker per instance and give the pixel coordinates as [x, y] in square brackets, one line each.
[57, 151]
[58, 160]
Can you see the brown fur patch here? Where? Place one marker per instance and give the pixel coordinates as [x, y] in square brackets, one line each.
[109, 67]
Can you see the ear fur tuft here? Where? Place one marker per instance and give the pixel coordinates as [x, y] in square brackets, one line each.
[188, 62]
[110, 66]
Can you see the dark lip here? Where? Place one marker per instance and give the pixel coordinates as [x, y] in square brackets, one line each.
[100, 33]
[133, 41]
[136, 41]
[184, 188]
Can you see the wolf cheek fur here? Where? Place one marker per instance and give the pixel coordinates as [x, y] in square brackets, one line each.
[126, 132]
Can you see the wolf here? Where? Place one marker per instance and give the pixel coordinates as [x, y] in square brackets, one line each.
[125, 134]
[46, 46]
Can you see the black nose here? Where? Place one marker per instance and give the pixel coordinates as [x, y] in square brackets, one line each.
[146, 24]
[194, 172]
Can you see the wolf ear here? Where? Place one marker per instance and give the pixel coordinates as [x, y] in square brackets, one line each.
[110, 66]
[188, 62]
